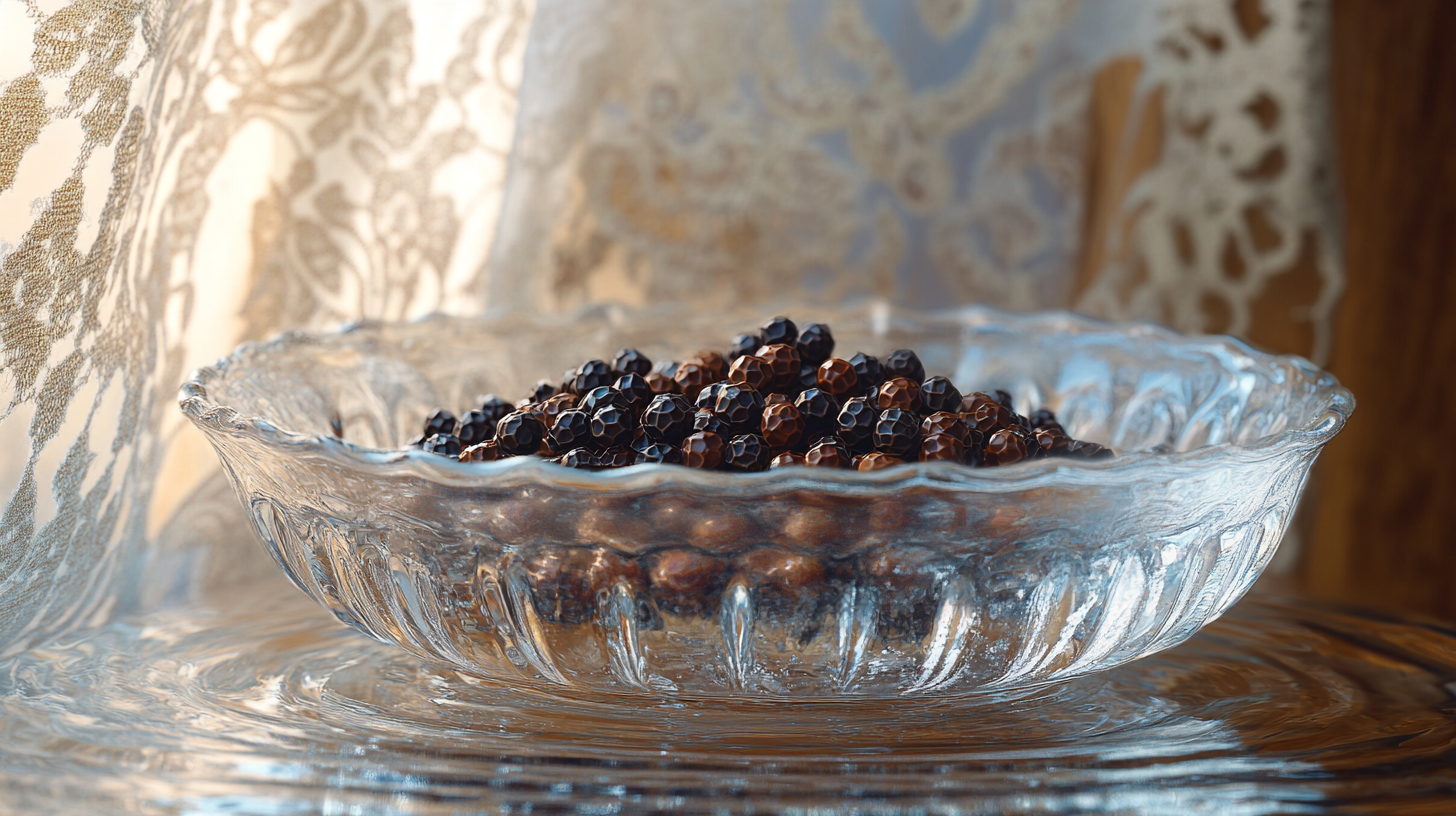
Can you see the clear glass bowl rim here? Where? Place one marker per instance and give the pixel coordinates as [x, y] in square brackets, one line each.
[196, 403]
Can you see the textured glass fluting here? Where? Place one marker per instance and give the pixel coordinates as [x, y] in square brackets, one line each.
[923, 580]
[1277, 708]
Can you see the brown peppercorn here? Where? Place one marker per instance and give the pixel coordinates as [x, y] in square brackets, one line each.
[974, 400]
[1053, 442]
[565, 581]
[991, 417]
[942, 447]
[713, 361]
[787, 459]
[661, 383]
[775, 399]
[837, 378]
[877, 461]
[751, 371]
[747, 453]
[946, 423]
[553, 406]
[780, 571]
[717, 530]
[483, 452]
[684, 580]
[782, 425]
[692, 378]
[898, 392]
[830, 454]
[703, 450]
[783, 360]
[814, 528]
[1004, 448]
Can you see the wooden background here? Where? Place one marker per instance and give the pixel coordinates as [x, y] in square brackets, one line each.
[1383, 525]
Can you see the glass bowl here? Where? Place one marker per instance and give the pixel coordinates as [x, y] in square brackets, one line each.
[802, 583]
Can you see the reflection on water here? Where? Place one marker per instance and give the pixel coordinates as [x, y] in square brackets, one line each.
[262, 704]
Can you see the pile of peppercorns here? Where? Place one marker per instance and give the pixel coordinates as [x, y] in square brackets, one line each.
[777, 398]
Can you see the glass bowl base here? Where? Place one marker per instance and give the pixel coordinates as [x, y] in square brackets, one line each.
[1278, 707]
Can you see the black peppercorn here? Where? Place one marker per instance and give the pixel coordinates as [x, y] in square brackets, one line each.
[743, 344]
[1090, 450]
[443, 445]
[709, 422]
[659, 453]
[635, 392]
[939, 394]
[703, 450]
[808, 378]
[1003, 399]
[740, 406]
[632, 361]
[553, 406]
[617, 457]
[1041, 418]
[439, 422]
[580, 458]
[592, 374]
[668, 418]
[779, 330]
[869, 370]
[612, 426]
[572, 430]
[519, 434]
[541, 391]
[494, 407]
[708, 397]
[897, 432]
[905, 363]
[815, 344]
[857, 424]
[747, 452]
[599, 398]
[475, 428]
[819, 410]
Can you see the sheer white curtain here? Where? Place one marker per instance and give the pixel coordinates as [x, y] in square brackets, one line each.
[176, 177]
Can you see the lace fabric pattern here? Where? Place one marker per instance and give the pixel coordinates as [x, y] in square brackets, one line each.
[178, 177]
[197, 174]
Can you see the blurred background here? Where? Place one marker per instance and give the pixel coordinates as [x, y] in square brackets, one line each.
[178, 178]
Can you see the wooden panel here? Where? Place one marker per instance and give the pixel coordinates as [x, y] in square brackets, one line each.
[1384, 527]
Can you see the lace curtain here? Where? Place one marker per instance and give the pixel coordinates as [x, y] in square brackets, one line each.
[177, 177]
